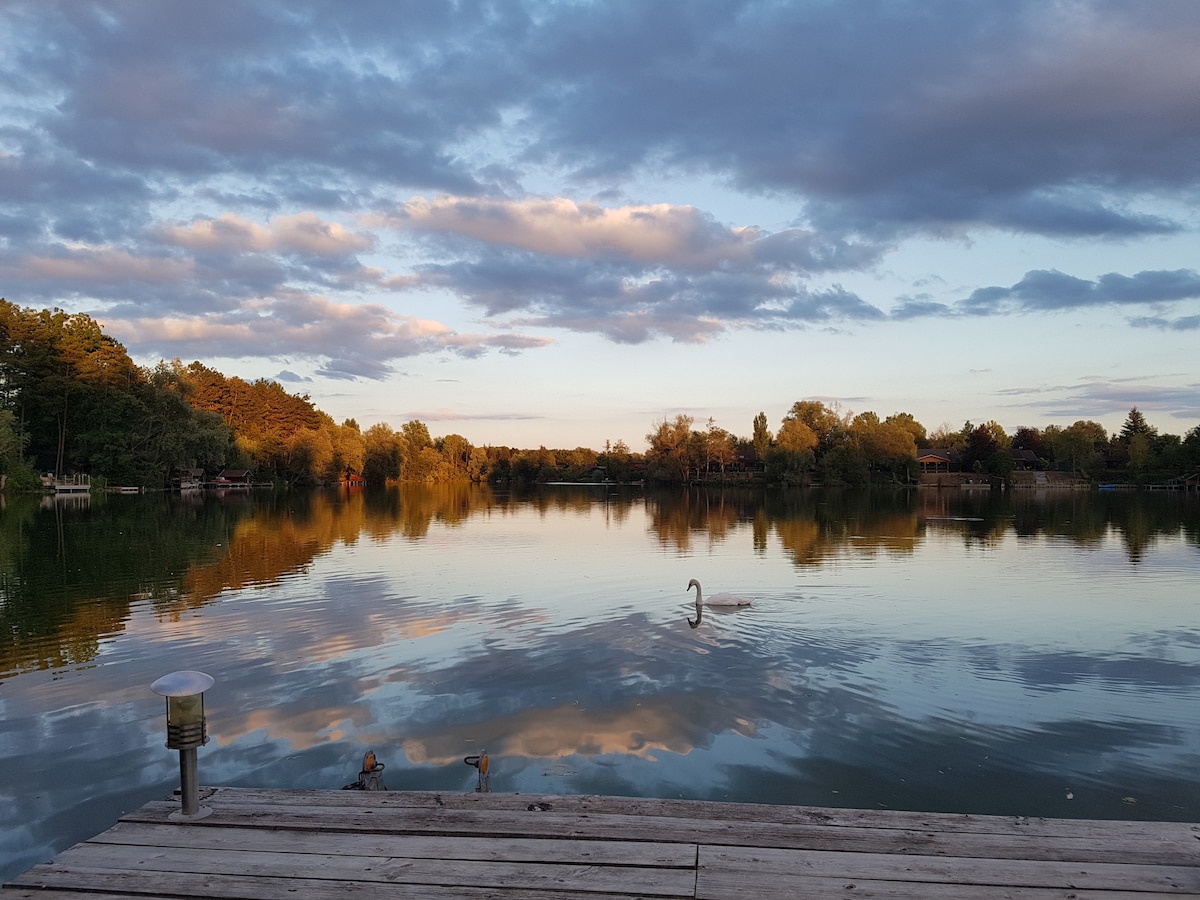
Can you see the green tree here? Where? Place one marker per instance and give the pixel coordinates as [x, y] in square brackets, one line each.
[308, 456]
[911, 425]
[1000, 463]
[845, 464]
[618, 460]
[761, 439]
[61, 375]
[1081, 445]
[1168, 452]
[985, 448]
[174, 435]
[1136, 444]
[1190, 448]
[788, 467]
[383, 453]
[524, 466]
[13, 468]
[1140, 452]
[11, 442]
[999, 435]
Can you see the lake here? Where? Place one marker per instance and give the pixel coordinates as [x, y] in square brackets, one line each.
[1021, 653]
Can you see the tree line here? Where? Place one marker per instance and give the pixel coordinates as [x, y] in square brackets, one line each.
[818, 442]
[72, 401]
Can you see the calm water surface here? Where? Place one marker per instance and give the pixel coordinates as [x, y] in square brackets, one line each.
[1019, 654]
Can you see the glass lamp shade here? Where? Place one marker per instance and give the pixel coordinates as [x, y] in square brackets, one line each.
[185, 707]
[187, 710]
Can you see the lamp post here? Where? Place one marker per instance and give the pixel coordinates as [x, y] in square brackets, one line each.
[186, 730]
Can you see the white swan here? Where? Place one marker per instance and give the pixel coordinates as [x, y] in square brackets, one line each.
[716, 601]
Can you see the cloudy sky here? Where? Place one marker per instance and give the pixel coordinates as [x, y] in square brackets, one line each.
[558, 223]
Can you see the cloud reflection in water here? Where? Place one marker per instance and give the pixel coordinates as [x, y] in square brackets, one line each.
[890, 659]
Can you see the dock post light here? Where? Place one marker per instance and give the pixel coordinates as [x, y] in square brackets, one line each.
[186, 730]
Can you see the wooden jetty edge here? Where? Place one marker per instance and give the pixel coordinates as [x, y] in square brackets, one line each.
[398, 845]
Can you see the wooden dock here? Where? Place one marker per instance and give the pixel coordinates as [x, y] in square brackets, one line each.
[332, 845]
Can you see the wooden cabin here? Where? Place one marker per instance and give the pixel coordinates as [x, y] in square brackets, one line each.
[1024, 459]
[938, 459]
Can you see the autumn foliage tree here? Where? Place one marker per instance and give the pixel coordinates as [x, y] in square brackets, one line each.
[72, 400]
[888, 446]
[793, 452]
[670, 456]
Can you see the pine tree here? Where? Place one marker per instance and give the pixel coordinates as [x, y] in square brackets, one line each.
[1135, 423]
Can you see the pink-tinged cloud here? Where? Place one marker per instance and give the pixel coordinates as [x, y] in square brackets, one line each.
[83, 265]
[658, 234]
[472, 345]
[302, 233]
[442, 414]
[301, 324]
[345, 340]
[633, 326]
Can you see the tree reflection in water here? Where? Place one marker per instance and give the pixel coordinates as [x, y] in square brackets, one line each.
[903, 648]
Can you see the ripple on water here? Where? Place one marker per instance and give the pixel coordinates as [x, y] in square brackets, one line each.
[953, 667]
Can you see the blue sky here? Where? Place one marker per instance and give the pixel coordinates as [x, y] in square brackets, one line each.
[559, 223]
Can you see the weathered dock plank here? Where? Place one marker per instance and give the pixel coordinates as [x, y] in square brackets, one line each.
[158, 864]
[594, 852]
[517, 821]
[782, 868]
[107, 884]
[1090, 829]
[333, 844]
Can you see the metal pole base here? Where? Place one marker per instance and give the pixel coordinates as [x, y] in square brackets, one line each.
[180, 816]
[189, 790]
